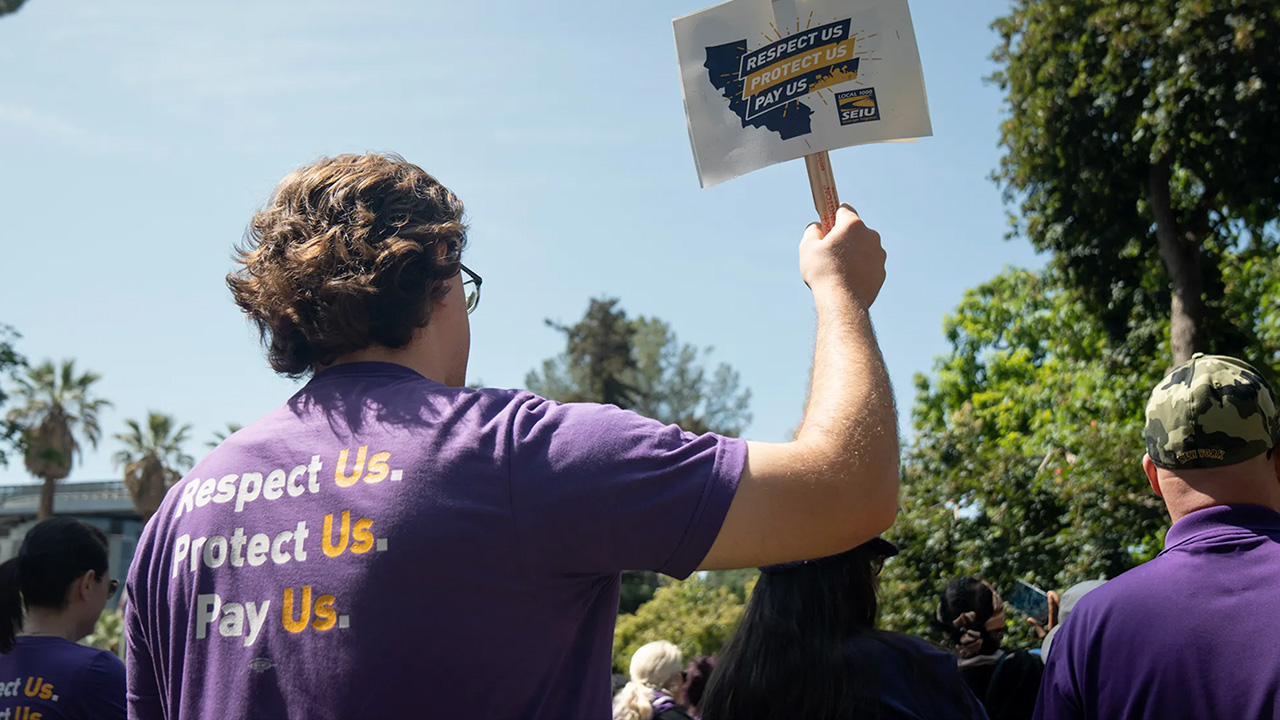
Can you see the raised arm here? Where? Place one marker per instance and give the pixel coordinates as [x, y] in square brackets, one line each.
[836, 485]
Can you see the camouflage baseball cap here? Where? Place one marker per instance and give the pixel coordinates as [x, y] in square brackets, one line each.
[1210, 411]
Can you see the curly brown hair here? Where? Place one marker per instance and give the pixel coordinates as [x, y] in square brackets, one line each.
[350, 252]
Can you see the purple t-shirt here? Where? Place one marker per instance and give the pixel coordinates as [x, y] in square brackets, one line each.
[384, 546]
[52, 678]
[1191, 634]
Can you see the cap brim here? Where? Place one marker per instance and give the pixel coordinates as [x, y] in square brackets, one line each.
[882, 547]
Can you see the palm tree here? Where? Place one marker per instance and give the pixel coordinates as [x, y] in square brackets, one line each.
[153, 460]
[221, 435]
[8, 6]
[54, 406]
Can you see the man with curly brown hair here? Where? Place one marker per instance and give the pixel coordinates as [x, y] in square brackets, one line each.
[391, 544]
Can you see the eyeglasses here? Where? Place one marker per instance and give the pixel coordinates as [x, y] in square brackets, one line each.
[470, 287]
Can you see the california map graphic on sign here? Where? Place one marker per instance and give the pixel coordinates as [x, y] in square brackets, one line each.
[772, 80]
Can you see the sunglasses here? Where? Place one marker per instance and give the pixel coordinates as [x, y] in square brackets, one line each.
[112, 586]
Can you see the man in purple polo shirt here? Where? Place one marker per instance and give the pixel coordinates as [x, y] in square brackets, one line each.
[392, 544]
[1193, 633]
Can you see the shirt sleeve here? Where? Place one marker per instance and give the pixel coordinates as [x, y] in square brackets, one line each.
[1059, 697]
[596, 489]
[102, 685]
[143, 694]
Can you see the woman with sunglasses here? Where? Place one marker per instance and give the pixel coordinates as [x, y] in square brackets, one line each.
[808, 648]
[51, 595]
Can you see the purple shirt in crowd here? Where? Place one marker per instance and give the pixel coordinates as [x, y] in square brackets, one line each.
[384, 546]
[52, 678]
[1192, 634]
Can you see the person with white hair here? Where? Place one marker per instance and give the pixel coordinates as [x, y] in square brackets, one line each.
[656, 671]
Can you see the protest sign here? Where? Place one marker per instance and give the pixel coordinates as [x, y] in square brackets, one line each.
[772, 80]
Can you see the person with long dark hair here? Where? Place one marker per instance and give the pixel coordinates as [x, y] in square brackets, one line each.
[51, 595]
[971, 616]
[808, 647]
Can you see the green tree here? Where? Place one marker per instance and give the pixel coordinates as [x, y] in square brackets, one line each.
[641, 364]
[10, 361]
[696, 617]
[10, 6]
[1140, 149]
[1025, 461]
[108, 632]
[599, 362]
[153, 459]
[56, 406]
[674, 385]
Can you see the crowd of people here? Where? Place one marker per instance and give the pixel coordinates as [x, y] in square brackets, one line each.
[391, 543]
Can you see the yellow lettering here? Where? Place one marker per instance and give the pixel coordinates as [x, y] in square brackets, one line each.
[33, 686]
[340, 471]
[304, 612]
[46, 692]
[378, 469]
[330, 548]
[361, 538]
[326, 618]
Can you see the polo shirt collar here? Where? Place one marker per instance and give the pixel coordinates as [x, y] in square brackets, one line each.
[1216, 521]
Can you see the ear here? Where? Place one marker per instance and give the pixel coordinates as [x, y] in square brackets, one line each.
[1152, 476]
[84, 585]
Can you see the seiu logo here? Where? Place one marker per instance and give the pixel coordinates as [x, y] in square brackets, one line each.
[857, 106]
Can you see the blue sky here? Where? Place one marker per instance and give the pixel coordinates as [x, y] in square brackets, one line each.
[139, 136]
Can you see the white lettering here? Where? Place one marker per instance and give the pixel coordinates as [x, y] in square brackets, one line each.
[258, 546]
[215, 551]
[205, 493]
[313, 483]
[180, 548]
[257, 618]
[273, 488]
[196, 545]
[279, 556]
[299, 536]
[226, 489]
[207, 609]
[250, 486]
[188, 498]
[296, 489]
[230, 617]
[232, 624]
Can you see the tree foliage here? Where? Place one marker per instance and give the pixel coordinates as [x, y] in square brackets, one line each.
[1026, 459]
[108, 633]
[640, 364]
[1140, 150]
[57, 407]
[10, 362]
[10, 6]
[695, 616]
[154, 458]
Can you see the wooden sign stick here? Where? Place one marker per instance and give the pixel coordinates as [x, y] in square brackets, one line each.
[823, 184]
